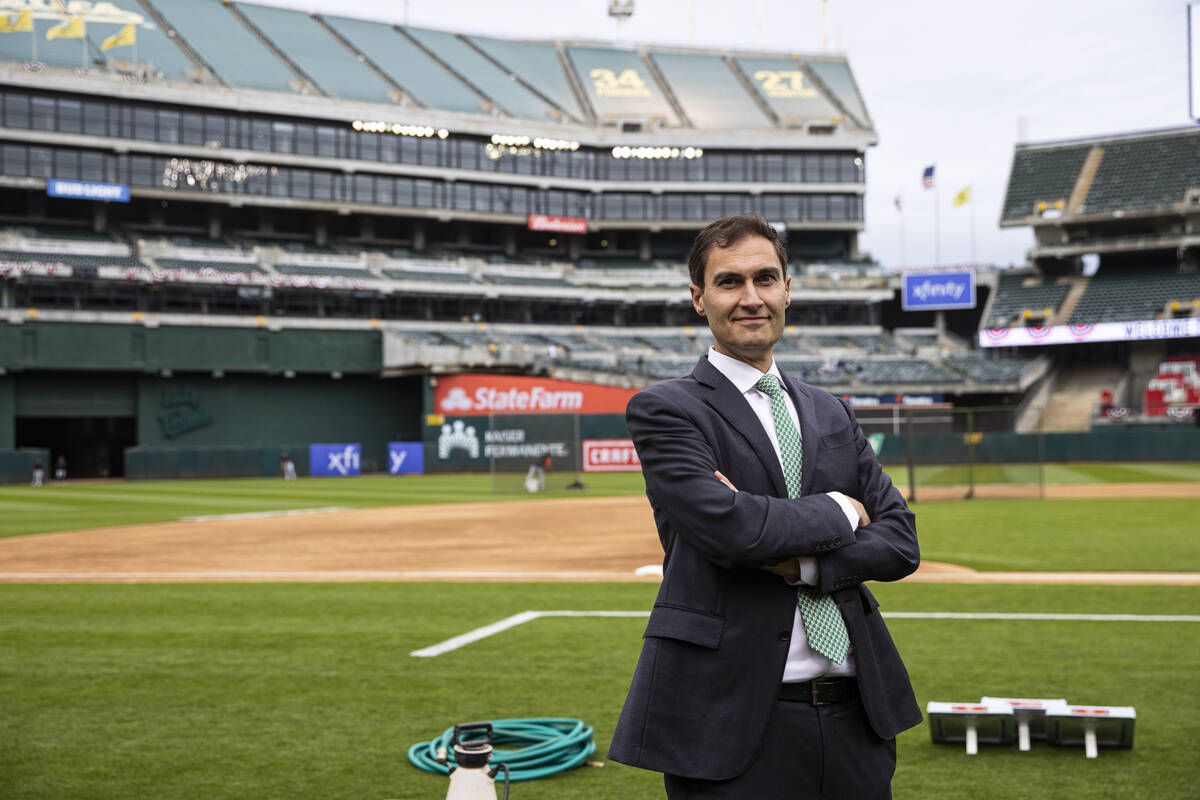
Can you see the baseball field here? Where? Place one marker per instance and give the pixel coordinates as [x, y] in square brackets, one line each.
[189, 639]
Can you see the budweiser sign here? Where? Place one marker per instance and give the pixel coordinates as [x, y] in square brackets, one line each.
[610, 455]
[480, 395]
[541, 222]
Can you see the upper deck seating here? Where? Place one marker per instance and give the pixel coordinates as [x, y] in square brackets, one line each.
[333, 67]
[788, 90]
[619, 85]
[507, 94]
[1013, 298]
[237, 55]
[1145, 172]
[1043, 175]
[538, 65]
[1129, 297]
[708, 91]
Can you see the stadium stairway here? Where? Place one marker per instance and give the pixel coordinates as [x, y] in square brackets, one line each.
[1069, 302]
[1075, 395]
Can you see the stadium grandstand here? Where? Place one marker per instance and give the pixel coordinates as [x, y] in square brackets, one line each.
[226, 225]
[1112, 292]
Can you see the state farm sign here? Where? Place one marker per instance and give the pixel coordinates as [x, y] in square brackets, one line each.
[480, 395]
[542, 222]
[610, 455]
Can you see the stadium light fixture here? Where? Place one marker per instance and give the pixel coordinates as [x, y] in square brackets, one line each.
[625, 151]
[398, 129]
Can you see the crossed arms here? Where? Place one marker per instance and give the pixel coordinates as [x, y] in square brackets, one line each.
[753, 528]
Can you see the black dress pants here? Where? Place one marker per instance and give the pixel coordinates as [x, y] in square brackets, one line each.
[826, 752]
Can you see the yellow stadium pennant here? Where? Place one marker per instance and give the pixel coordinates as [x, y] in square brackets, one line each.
[24, 22]
[71, 29]
[962, 197]
[125, 36]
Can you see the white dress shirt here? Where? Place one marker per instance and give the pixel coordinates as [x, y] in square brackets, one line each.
[803, 662]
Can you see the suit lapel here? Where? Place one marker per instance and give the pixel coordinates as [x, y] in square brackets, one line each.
[808, 432]
[724, 398]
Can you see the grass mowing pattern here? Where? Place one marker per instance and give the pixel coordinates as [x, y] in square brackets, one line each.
[1062, 535]
[1031, 475]
[233, 691]
[75, 506]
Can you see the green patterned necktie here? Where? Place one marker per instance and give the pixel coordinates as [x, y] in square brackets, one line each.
[823, 622]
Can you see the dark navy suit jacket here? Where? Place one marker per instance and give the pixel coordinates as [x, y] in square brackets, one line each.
[717, 641]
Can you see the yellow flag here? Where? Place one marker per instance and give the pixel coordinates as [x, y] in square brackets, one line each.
[125, 36]
[71, 29]
[24, 22]
[962, 197]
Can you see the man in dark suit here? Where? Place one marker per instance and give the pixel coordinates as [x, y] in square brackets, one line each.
[766, 670]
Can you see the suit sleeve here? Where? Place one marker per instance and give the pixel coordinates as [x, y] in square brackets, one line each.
[731, 529]
[884, 550]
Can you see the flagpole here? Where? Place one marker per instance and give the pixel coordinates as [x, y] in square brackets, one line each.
[937, 229]
[972, 205]
[33, 37]
[83, 56]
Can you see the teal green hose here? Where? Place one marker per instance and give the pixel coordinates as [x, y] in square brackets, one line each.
[539, 747]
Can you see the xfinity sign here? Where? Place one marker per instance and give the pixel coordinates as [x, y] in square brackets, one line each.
[335, 460]
[938, 291]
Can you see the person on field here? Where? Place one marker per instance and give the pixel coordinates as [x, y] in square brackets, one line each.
[766, 669]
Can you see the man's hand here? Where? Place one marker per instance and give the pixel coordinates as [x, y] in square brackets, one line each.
[725, 481]
[863, 517]
[788, 570]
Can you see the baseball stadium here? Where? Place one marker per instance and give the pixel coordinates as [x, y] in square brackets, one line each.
[316, 338]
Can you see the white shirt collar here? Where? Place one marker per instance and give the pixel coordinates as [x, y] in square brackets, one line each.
[739, 373]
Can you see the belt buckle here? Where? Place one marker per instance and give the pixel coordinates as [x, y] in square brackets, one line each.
[816, 685]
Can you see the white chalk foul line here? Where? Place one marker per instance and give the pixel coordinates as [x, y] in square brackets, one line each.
[464, 639]
[467, 638]
[291, 512]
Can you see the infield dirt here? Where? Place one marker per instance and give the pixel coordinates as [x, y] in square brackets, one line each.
[584, 538]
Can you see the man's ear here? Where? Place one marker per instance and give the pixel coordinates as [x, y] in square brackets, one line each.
[787, 290]
[697, 298]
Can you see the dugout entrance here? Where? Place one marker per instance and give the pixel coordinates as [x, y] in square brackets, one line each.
[93, 446]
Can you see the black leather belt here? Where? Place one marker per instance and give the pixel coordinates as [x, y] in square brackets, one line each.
[819, 691]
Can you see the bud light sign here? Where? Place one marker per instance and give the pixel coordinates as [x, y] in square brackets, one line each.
[406, 458]
[938, 290]
[335, 460]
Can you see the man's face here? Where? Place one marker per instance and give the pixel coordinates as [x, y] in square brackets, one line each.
[744, 296]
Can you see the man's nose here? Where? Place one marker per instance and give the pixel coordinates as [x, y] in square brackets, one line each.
[750, 296]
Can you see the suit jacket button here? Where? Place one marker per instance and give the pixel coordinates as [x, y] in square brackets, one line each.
[784, 634]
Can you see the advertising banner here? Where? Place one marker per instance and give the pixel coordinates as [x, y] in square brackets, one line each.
[481, 395]
[610, 455]
[1182, 328]
[939, 291]
[872, 400]
[542, 222]
[88, 190]
[334, 460]
[406, 458]
[504, 443]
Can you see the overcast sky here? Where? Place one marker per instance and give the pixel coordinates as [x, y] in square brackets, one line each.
[945, 81]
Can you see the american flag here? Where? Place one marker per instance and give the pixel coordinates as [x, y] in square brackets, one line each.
[927, 177]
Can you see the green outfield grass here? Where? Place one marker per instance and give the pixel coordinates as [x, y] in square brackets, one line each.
[73, 506]
[1033, 474]
[236, 691]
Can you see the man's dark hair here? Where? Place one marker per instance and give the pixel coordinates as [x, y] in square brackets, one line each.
[728, 232]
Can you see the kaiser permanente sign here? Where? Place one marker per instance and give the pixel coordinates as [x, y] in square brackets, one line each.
[1186, 327]
[480, 395]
